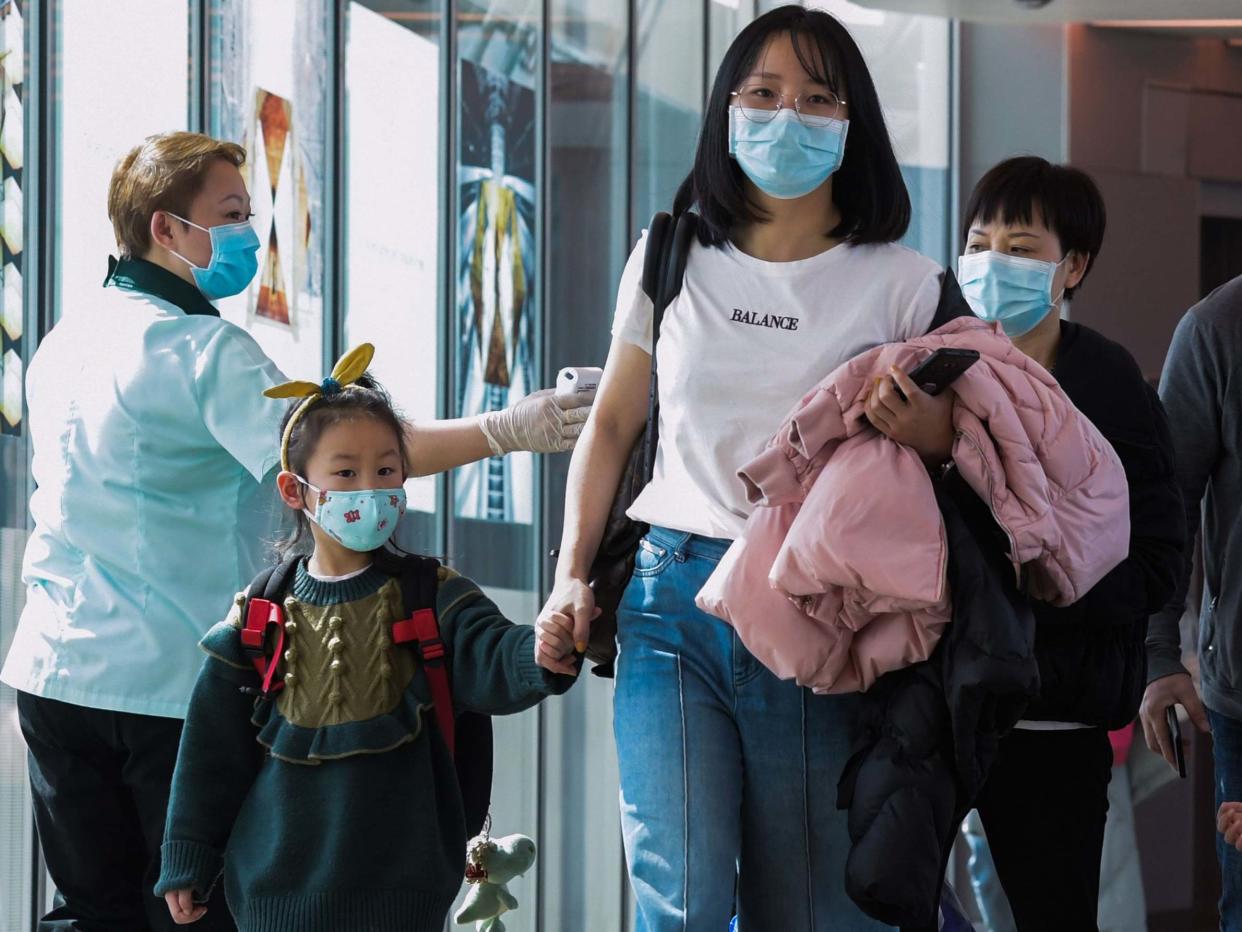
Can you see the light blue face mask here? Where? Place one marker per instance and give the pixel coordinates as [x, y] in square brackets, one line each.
[234, 259]
[1013, 290]
[787, 156]
[361, 521]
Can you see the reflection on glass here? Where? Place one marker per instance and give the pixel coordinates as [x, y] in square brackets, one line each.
[12, 139]
[392, 244]
[909, 61]
[269, 91]
[16, 871]
[726, 18]
[497, 261]
[108, 104]
[669, 88]
[588, 242]
[494, 301]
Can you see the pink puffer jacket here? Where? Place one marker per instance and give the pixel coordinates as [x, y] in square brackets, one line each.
[840, 575]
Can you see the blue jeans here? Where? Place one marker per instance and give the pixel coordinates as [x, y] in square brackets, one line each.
[1227, 751]
[728, 774]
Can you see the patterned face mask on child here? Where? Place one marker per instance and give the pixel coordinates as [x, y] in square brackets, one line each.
[361, 521]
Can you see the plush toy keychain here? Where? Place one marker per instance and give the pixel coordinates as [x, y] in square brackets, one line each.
[490, 864]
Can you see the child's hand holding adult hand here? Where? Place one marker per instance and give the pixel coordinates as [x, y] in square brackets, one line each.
[183, 908]
[554, 643]
[1229, 824]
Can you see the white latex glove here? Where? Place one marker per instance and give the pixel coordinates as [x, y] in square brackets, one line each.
[538, 423]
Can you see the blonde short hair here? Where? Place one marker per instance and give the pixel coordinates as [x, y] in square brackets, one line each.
[166, 172]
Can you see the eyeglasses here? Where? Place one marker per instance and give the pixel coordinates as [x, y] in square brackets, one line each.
[761, 104]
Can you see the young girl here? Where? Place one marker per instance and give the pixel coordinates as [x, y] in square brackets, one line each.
[333, 802]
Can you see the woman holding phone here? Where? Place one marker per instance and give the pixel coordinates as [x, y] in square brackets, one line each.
[728, 774]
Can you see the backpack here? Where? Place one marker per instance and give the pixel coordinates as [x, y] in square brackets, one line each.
[467, 735]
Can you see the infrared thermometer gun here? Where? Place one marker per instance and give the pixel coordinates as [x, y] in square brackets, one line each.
[576, 385]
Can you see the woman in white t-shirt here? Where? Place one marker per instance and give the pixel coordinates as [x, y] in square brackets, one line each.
[729, 775]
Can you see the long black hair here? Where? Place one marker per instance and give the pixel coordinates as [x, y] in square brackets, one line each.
[868, 189]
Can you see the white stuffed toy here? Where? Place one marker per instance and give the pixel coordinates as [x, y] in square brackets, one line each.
[491, 864]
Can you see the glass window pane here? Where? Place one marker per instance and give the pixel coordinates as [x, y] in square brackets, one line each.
[588, 242]
[100, 119]
[392, 230]
[909, 61]
[16, 840]
[726, 18]
[269, 90]
[669, 104]
[496, 298]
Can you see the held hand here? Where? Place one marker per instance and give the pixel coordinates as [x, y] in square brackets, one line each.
[919, 421]
[1229, 823]
[537, 423]
[1177, 689]
[573, 599]
[183, 908]
[554, 643]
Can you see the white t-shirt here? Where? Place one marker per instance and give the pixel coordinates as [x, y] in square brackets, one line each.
[743, 342]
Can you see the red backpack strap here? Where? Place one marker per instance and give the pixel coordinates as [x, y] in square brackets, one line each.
[419, 577]
[262, 615]
[263, 612]
[423, 625]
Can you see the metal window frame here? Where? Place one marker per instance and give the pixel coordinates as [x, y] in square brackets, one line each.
[39, 184]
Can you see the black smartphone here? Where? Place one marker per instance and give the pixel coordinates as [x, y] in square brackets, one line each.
[1175, 733]
[942, 368]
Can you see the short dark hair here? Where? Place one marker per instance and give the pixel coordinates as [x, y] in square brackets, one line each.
[363, 398]
[868, 189]
[1066, 198]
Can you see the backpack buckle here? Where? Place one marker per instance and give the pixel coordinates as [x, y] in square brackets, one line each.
[431, 650]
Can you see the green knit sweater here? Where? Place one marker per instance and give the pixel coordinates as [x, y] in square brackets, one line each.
[336, 806]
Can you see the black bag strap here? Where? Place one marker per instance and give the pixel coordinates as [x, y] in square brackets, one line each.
[664, 268]
[419, 578]
[274, 581]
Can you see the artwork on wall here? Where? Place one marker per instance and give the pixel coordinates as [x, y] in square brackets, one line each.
[269, 91]
[273, 124]
[495, 279]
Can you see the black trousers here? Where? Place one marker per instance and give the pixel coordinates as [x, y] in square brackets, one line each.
[1043, 808]
[100, 782]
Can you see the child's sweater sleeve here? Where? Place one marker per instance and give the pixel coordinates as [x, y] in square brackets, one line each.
[493, 660]
[217, 763]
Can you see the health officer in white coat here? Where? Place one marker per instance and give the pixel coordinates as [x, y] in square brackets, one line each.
[152, 443]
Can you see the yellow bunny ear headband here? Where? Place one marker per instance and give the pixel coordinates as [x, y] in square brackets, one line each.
[348, 369]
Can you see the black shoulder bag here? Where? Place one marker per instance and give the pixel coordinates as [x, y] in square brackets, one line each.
[664, 265]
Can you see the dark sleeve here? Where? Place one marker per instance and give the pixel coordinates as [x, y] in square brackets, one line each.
[493, 660]
[951, 305]
[1190, 388]
[217, 764]
[1142, 583]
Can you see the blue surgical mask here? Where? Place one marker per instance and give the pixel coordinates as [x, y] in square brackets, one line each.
[787, 156]
[234, 259]
[361, 521]
[1014, 290]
